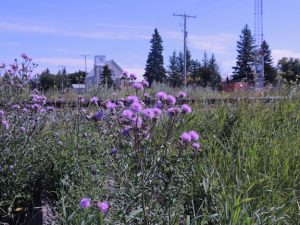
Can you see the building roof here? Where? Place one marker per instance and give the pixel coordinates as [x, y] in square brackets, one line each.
[78, 86]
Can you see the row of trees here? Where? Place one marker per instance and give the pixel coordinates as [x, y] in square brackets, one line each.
[247, 52]
[47, 80]
[204, 73]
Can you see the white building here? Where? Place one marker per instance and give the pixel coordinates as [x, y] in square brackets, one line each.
[94, 77]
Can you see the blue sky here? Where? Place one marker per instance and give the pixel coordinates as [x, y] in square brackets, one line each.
[57, 32]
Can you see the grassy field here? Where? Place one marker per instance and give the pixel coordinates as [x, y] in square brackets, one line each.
[247, 170]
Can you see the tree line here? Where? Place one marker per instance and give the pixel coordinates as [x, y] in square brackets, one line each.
[47, 80]
[206, 71]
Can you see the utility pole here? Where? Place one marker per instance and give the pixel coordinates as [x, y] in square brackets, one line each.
[85, 63]
[63, 69]
[184, 43]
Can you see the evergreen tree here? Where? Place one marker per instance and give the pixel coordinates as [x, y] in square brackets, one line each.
[47, 80]
[194, 75]
[205, 73]
[245, 58]
[155, 70]
[215, 76]
[106, 77]
[290, 70]
[174, 74]
[77, 77]
[269, 69]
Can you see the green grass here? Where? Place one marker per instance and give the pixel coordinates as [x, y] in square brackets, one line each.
[249, 170]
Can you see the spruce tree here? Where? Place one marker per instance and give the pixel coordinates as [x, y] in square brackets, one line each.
[269, 69]
[155, 70]
[215, 76]
[106, 77]
[174, 74]
[245, 58]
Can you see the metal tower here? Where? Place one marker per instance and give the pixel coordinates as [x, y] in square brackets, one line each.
[259, 38]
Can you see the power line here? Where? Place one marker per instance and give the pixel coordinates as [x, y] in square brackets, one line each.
[185, 16]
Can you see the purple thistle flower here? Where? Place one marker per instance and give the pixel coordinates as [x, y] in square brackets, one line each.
[85, 203]
[158, 104]
[5, 124]
[103, 206]
[94, 100]
[126, 131]
[114, 151]
[127, 114]
[161, 95]
[173, 111]
[148, 113]
[111, 105]
[41, 99]
[136, 107]
[125, 74]
[22, 129]
[11, 168]
[145, 83]
[132, 99]
[100, 115]
[186, 108]
[186, 137]
[16, 106]
[146, 95]
[196, 145]
[43, 111]
[1, 113]
[81, 99]
[138, 86]
[50, 108]
[121, 104]
[137, 122]
[181, 94]
[24, 110]
[36, 107]
[171, 100]
[133, 76]
[157, 112]
[194, 135]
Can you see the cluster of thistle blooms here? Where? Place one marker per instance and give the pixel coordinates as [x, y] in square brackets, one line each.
[22, 70]
[87, 203]
[134, 115]
[36, 106]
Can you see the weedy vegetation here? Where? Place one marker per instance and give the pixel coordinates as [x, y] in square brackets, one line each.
[147, 156]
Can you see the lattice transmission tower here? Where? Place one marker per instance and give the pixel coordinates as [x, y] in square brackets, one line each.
[259, 38]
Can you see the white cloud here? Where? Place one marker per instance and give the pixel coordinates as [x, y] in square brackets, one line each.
[26, 28]
[277, 54]
[123, 26]
[73, 63]
[220, 43]
[139, 71]
[81, 34]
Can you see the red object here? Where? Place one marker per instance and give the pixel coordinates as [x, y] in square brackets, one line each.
[236, 86]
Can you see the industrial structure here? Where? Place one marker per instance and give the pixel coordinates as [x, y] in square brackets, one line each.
[94, 77]
[259, 63]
